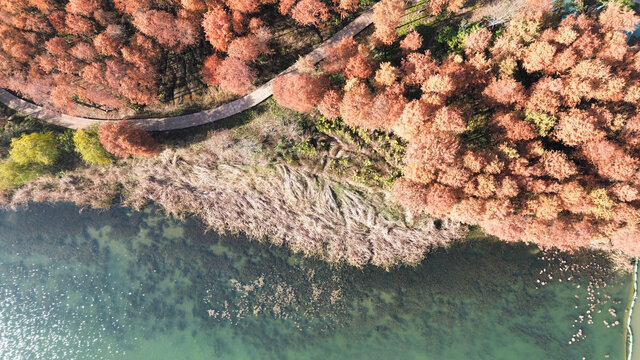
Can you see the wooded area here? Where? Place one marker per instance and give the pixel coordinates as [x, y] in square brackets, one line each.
[530, 131]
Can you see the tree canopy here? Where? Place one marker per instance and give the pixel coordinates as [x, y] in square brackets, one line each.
[111, 53]
[124, 138]
[530, 132]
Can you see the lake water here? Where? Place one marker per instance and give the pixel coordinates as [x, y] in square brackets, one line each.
[120, 284]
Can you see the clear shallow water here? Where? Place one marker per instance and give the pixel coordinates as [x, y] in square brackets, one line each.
[135, 285]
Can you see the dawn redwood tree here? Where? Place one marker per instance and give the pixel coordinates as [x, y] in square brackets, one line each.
[82, 7]
[346, 6]
[166, 29]
[355, 107]
[386, 75]
[386, 17]
[411, 42]
[359, 67]
[329, 106]
[210, 68]
[124, 138]
[106, 62]
[83, 51]
[243, 6]
[79, 25]
[300, 92]
[235, 75]
[310, 12]
[247, 48]
[110, 41]
[336, 56]
[217, 27]
[477, 40]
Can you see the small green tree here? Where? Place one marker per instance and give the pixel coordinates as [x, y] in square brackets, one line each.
[88, 145]
[35, 148]
[13, 174]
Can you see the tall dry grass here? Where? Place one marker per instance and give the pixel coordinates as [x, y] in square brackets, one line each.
[289, 207]
[497, 11]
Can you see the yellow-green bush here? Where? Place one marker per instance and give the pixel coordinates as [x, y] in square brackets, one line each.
[13, 174]
[35, 148]
[88, 146]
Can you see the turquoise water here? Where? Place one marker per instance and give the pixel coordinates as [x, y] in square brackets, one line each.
[118, 284]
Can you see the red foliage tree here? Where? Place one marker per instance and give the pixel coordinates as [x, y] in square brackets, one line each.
[243, 6]
[329, 106]
[449, 119]
[539, 56]
[110, 41]
[210, 68]
[346, 6]
[413, 118]
[166, 29]
[557, 165]
[235, 75]
[411, 42]
[132, 6]
[418, 68]
[124, 138]
[285, 6]
[386, 17]
[410, 194]
[505, 91]
[83, 7]
[564, 131]
[477, 41]
[426, 153]
[217, 27]
[247, 48]
[616, 18]
[57, 46]
[194, 5]
[610, 160]
[439, 200]
[514, 129]
[83, 51]
[577, 127]
[358, 67]
[62, 98]
[310, 12]
[387, 105]
[299, 92]
[79, 25]
[355, 108]
[336, 56]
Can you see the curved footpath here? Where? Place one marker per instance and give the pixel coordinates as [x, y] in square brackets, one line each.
[200, 118]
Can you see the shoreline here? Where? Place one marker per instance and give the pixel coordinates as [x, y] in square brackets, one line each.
[629, 329]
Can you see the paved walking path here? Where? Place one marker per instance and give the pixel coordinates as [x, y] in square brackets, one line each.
[184, 121]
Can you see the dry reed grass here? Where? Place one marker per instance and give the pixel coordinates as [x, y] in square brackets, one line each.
[287, 206]
[497, 11]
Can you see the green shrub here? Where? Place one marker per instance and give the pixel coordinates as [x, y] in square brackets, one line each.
[65, 141]
[13, 174]
[35, 148]
[88, 145]
[454, 38]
